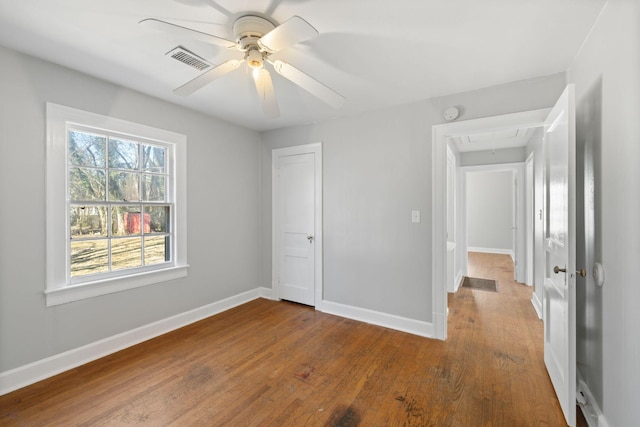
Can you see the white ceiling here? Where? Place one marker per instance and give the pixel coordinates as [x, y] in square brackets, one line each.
[376, 53]
[495, 140]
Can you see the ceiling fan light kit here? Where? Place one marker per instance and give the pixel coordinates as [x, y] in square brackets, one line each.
[257, 38]
[254, 58]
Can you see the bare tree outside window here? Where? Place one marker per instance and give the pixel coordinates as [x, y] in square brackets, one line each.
[119, 217]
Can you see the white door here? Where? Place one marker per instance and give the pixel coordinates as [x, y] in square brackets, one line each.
[296, 226]
[560, 240]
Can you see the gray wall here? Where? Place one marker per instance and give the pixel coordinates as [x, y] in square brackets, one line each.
[222, 213]
[489, 202]
[377, 168]
[606, 73]
[374, 175]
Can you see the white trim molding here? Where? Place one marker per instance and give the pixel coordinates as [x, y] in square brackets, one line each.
[60, 287]
[108, 286]
[588, 405]
[458, 281]
[391, 321]
[537, 305]
[41, 369]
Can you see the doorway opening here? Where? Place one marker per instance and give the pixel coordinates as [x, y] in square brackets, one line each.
[443, 139]
[493, 210]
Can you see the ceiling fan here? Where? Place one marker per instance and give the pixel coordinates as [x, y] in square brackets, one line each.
[257, 38]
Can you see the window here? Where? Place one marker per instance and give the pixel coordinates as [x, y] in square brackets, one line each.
[116, 199]
[118, 210]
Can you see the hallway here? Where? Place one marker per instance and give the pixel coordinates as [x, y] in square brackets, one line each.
[506, 323]
[504, 337]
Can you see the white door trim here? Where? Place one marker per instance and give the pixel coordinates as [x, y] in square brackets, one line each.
[529, 219]
[452, 232]
[439, 136]
[276, 249]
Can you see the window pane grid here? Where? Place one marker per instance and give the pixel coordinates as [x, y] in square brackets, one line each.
[90, 203]
[118, 204]
[81, 239]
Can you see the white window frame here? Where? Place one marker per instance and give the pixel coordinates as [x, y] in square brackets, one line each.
[59, 287]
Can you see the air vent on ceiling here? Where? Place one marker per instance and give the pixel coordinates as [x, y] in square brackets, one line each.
[191, 59]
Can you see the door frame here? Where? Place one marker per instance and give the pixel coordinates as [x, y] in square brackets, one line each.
[452, 222]
[517, 210]
[276, 247]
[529, 218]
[439, 136]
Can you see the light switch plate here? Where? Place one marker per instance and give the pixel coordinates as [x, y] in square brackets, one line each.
[415, 216]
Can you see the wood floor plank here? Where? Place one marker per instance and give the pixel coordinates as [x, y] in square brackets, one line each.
[269, 363]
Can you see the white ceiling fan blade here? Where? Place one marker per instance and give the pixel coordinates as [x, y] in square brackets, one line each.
[267, 95]
[177, 30]
[207, 77]
[309, 84]
[290, 32]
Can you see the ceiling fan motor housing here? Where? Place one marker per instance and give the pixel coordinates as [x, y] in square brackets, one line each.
[249, 29]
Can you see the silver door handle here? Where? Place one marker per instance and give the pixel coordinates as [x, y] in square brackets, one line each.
[310, 238]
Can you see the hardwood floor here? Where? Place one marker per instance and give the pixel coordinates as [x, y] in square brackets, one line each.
[278, 363]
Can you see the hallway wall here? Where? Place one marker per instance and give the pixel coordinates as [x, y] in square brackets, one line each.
[606, 74]
[490, 211]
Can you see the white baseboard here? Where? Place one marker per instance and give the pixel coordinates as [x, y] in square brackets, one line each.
[266, 293]
[458, 281]
[537, 305]
[390, 321]
[53, 365]
[592, 412]
[492, 251]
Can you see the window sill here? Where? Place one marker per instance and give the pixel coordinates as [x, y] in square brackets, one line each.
[109, 286]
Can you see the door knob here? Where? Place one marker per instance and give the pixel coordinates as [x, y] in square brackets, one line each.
[310, 238]
[582, 272]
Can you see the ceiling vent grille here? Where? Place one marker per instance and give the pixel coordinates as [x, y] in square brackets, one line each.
[191, 59]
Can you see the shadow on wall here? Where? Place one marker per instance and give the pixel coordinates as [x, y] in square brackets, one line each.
[589, 342]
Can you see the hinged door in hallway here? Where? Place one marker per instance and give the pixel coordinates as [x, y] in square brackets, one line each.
[560, 245]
